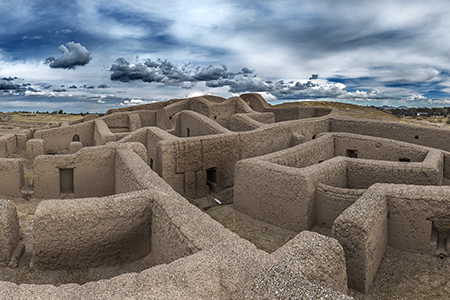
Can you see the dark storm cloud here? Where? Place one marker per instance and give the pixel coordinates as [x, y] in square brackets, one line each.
[8, 84]
[167, 73]
[8, 78]
[103, 86]
[246, 80]
[76, 56]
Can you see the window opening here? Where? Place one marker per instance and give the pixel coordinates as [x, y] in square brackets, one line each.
[188, 132]
[66, 180]
[351, 153]
[404, 159]
[76, 138]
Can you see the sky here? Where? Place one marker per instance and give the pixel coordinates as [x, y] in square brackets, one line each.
[84, 55]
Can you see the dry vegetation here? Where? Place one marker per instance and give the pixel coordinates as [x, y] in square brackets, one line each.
[41, 117]
[365, 112]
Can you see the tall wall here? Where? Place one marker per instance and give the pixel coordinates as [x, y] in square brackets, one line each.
[9, 233]
[92, 173]
[11, 177]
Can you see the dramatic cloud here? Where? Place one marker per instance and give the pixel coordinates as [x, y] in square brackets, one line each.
[76, 56]
[167, 73]
[7, 84]
[246, 80]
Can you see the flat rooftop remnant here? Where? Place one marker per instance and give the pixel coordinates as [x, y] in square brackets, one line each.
[134, 184]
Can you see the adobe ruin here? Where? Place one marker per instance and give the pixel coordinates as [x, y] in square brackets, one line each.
[115, 190]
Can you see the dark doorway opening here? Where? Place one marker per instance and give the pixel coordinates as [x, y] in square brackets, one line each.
[440, 230]
[211, 178]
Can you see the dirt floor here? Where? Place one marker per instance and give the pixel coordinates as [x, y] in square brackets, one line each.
[403, 275]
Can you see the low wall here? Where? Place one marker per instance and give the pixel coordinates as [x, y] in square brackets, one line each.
[11, 177]
[91, 232]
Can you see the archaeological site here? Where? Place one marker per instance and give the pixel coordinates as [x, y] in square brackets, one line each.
[137, 183]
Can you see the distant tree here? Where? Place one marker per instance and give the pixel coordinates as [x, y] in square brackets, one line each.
[60, 112]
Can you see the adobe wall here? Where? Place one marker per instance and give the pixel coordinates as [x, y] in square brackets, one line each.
[378, 149]
[257, 103]
[209, 261]
[9, 233]
[129, 121]
[280, 188]
[364, 173]
[93, 173]
[400, 216]
[102, 134]
[318, 257]
[11, 177]
[410, 133]
[409, 207]
[58, 139]
[257, 189]
[91, 232]
[184, 162]
[331, 201]
[362, 230]
[8, 145]
[190, 124]
[250, 121]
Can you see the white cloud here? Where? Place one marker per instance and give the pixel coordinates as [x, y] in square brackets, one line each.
[416, 97]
